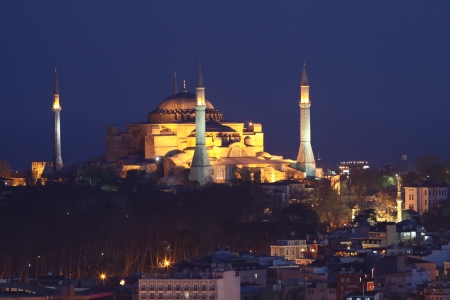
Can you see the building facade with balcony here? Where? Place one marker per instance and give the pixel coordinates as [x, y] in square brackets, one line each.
[218, 285]
[290, 249]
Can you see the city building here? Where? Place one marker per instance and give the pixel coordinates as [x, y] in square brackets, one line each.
[347, 167]
[193, 284]
[289, 249]
[435, 290]
[350, 281]
[425, 195]
[321, 291]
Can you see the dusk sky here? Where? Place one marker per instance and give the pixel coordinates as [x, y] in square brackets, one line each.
[379, 72]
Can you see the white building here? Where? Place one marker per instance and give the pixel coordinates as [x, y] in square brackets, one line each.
[290, 249]
[425, 195]
[218, 284]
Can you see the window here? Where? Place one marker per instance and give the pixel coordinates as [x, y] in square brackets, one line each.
[342, 279]
[142, 295]
[292, 252]
[425, 202]
[186, 295]
[347, 280]
[169, 287]
[160, 296]
[152, 287]
[195, 288]
[256, 276]
[287, 252]
[425, 192]
[152, 295]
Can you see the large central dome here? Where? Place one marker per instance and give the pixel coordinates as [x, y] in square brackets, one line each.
[183, 100]
[181, 107]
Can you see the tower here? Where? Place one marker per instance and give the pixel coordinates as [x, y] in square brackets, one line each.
[57, 160]
[399, 199]
[305, 158]
[201, 169]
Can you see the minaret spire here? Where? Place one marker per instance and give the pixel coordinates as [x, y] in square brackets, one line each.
[201, 169]
[184, 85]
[304, 81]
[55, 84]
[57, 160]
[175, 89]
[305, 158]
[200, 82]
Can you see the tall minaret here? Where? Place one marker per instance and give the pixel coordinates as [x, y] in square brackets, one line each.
[305, 158]
[57, 160]
[201, 169]
[399, 198]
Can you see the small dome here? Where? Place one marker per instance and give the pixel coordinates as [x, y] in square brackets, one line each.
[264, 154]
[183, 157]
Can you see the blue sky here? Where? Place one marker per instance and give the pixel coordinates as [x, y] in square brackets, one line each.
[379, 72]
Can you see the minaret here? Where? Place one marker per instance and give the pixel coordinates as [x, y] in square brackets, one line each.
[305, 158]
[399, 198]
[201, 169]
[57, 160]
[175, 89]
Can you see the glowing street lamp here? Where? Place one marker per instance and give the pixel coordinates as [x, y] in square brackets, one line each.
[122, 282]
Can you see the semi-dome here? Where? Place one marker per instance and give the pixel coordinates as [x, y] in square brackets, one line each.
[181, 107]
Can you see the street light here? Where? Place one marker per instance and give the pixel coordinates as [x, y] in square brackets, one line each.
[363, 282]
[306, 287]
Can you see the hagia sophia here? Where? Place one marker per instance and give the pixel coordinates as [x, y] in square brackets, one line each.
[233, 150]
[186, 139]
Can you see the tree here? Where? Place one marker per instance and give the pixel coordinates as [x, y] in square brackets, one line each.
[330, 208]
[424, 161]
[300, 218]
[436, 172]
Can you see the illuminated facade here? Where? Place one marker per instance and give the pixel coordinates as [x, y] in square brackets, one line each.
[425, 195]
[170, 129]
[234, 150]
[57, 160]
[346, 167]
[41, 168]
[305, 158]
[289, 249]
[195, 284]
